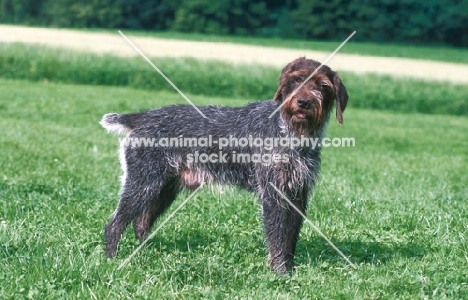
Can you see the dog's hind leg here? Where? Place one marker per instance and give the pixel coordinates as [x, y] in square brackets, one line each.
[138, 192]
[143, 222]
[132, 201]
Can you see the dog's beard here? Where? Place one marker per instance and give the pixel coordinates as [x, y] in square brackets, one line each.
[303, 122]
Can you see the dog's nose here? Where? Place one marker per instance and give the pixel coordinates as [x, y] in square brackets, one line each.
[303, 103]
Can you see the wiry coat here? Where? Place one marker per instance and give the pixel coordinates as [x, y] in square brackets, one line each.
[153, 176]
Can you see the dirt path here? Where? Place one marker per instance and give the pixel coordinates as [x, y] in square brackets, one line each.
[234, 53]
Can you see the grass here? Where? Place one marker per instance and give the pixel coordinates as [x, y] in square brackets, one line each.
[438, 53]
[213, 78]
[395, 204]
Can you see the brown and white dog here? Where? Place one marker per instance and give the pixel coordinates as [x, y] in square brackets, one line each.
[154, 175]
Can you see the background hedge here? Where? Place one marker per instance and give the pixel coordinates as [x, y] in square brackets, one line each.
[403, 21]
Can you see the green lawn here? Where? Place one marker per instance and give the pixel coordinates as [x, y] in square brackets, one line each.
[396, 204]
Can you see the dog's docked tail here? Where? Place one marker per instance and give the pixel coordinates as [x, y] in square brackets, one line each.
[116, 123]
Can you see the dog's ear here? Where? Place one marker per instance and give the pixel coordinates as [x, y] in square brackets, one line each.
[283, 80]
[341, 97]
[279, 94]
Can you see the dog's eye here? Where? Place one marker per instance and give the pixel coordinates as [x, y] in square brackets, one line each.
[317, 93]
[297, 79]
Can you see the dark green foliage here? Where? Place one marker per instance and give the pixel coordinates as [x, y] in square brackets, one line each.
[83, 14]
[408, 21]
[156, 14]
[414, 21]
[231, 17]
[61, 13]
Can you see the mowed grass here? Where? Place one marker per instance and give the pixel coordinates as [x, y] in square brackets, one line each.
[395, 204]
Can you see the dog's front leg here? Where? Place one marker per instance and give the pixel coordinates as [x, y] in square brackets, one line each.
[282, 225]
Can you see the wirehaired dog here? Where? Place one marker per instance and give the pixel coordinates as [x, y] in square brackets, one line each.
[153, 176]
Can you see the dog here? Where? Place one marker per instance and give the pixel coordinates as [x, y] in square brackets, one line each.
[153, 176]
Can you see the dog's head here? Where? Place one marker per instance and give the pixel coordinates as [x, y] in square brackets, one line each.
[309, 107]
